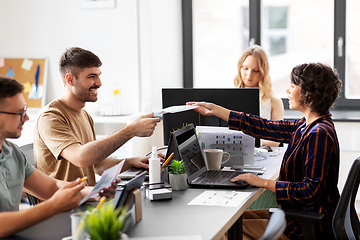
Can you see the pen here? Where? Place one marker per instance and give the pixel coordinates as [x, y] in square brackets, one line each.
[83, 179]
[168, 160]
[100, 202]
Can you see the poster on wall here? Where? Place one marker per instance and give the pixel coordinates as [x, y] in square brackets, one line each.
[30, 72]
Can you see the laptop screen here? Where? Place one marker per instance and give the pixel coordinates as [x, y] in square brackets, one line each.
[186, 143]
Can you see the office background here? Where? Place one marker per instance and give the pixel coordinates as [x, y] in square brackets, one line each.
[140, 43]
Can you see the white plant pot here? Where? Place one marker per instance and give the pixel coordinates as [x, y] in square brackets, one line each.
[124, 236]
[178, 181]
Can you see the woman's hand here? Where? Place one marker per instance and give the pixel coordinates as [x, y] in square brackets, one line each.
[203, 108]
[256, 181]
[210, 109]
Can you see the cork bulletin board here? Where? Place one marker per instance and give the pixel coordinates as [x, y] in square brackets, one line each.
[32, 73]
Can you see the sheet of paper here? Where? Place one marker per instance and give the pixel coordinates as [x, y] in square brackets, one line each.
[27, 64]
[2, 62]
[174, 109]
[220, 198]
[108, 176]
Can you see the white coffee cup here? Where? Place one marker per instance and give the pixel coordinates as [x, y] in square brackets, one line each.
[213, 158]
[75, 222]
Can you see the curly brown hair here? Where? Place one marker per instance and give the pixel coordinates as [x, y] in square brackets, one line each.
[320, 85]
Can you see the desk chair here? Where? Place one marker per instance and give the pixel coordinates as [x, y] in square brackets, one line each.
[276, 225]
[345, 222]
[28, 151]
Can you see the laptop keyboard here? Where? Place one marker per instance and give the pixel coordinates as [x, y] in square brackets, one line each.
[215, 177]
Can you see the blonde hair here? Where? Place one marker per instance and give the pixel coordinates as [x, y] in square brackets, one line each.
[265, 82]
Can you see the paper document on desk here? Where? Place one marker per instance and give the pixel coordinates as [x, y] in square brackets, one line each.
[174, 109]
[220, 198]
[108, 176]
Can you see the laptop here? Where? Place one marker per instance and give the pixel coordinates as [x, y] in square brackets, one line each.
[185, 146]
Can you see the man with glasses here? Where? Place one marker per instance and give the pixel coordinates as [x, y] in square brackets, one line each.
[65, 145]
[22, 113]
[16, 173]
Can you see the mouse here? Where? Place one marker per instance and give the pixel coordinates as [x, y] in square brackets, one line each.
[240, 183]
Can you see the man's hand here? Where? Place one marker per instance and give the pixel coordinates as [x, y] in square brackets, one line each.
[68, 196]
[145, 125]
[110, 191]
[139, 162]
[162, 157]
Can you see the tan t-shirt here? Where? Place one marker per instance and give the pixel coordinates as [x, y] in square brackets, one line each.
[57, 127]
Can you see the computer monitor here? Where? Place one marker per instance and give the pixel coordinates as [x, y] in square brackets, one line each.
[238, 99]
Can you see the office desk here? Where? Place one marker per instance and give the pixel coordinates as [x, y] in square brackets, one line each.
[170, 217]
[175, 218]
[54, 228]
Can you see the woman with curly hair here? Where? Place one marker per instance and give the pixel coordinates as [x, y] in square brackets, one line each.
[310, 168]
[253, 72]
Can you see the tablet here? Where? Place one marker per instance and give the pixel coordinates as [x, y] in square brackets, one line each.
[125, 187]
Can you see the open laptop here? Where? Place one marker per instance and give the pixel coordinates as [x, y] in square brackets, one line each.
[185, 145]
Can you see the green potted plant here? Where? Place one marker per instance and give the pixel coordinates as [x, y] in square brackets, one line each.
[105, 223]
[177, 175]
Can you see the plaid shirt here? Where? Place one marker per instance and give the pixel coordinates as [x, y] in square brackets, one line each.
[310, 167]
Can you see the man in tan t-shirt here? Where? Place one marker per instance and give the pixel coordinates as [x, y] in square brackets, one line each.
[65, 146]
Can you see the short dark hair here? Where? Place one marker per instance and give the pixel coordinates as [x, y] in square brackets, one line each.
[320, 85]
[74, 59]
[9, 87]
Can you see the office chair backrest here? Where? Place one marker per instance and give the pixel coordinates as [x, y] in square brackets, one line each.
[28, 151]
[276, 226]
[345, 221]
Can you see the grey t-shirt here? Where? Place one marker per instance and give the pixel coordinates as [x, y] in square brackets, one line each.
[14, 169]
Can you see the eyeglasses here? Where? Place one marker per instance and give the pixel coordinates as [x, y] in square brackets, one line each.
[22, 114]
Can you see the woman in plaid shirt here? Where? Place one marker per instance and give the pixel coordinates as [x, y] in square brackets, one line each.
[309, 171]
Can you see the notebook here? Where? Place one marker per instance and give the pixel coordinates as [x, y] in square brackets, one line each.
[185, 145]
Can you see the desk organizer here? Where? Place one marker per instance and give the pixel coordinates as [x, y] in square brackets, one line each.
[164, 175]
[158, 191]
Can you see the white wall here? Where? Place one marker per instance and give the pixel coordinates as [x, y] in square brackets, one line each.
[160, 49]
[141, 53]
[349, 139]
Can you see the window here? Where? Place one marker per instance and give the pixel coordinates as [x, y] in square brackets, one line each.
[291, 32]
[352, 74]
[274, 25]
[220, 35]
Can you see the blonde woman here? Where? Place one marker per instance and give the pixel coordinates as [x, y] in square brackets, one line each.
[253, 72]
